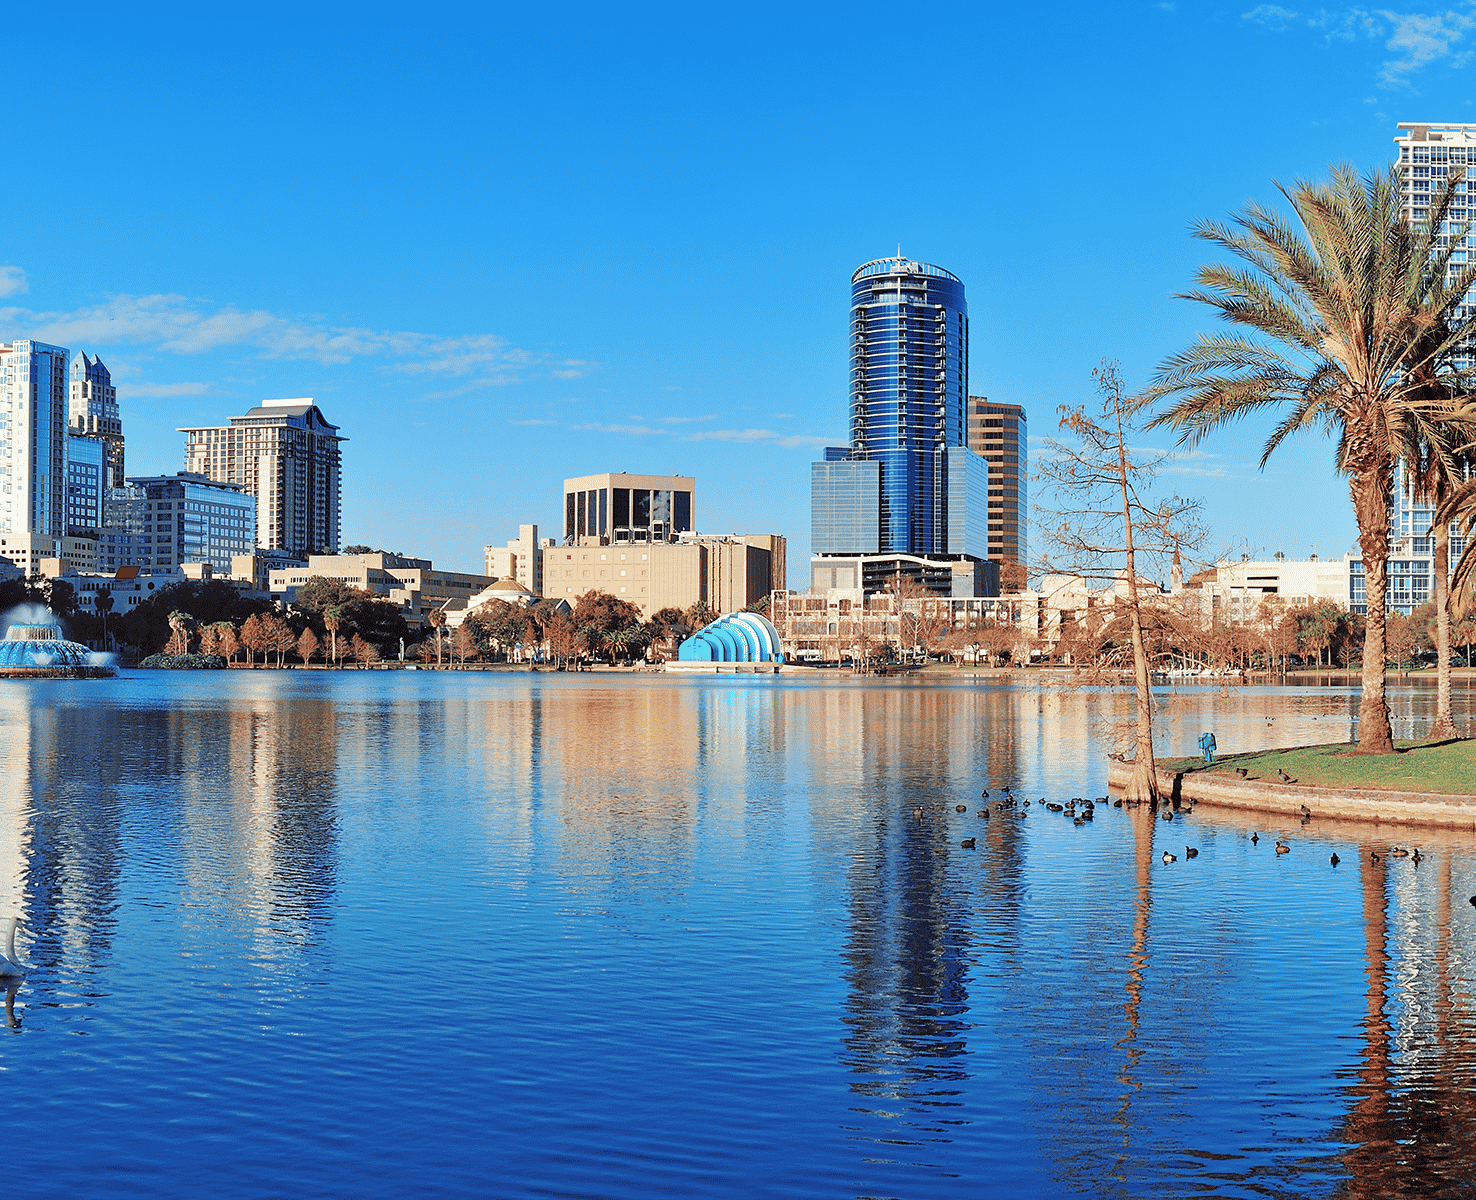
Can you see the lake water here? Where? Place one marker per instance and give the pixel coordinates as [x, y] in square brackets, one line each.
[510, 935]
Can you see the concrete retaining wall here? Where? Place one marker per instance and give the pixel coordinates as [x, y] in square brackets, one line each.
[1254, 795]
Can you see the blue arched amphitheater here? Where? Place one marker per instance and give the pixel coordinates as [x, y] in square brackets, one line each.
[741, 641]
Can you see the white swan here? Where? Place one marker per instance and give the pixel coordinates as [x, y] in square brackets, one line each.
[10, 967]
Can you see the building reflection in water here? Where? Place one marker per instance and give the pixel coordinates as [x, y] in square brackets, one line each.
[236, 798]
[258, 816]
[910, 941]
[1412, 1119]
[60, 832]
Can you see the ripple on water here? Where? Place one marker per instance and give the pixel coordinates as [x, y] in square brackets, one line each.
[537, 936]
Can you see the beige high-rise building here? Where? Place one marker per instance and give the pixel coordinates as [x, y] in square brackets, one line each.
[997, 433]
[727, 573]
[286, 455]
[521, 559]
[628, 509]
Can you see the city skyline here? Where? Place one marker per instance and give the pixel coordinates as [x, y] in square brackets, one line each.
[590, 293]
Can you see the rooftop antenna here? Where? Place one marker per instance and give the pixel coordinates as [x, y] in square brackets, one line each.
[899, 251]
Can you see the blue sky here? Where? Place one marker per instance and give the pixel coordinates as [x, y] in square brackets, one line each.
[501, 247]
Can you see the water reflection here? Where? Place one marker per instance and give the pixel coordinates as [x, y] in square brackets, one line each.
[1412, 1121]
[917, 925]
[711, 899]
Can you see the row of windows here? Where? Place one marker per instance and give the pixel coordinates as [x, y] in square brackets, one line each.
[1457, 155]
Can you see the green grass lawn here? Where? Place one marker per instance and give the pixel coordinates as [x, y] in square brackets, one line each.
[1448, 767]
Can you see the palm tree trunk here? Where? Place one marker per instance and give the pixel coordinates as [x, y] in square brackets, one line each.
[1371, 489]
[1444, 726]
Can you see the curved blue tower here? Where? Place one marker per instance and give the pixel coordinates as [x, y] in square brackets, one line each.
[909, 393]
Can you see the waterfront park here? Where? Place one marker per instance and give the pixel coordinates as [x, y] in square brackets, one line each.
[802, 933]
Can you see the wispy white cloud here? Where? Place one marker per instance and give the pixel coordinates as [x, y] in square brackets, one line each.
[1420, 39]
[535, 421]
[711, 435]
[1416, 39]
[131, 390]
[634, 430]
[182, 325]
[755, 435]
[1272, 16]
[685, 420]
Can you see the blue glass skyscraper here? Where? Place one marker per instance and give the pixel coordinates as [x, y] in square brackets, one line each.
[921, 491]
[909, 388]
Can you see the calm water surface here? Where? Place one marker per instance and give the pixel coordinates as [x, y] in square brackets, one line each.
[372, 934]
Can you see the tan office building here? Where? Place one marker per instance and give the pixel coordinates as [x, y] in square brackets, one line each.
[998, 434]
[521, 559]
[727, 573]
[626, 509]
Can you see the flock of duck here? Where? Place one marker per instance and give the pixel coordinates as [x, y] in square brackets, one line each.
[1082, 810]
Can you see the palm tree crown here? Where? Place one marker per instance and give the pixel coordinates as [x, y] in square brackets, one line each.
[1349, 324]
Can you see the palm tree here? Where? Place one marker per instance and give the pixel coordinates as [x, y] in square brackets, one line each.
[437, 618]
[104, 604]
[332, 617]
[1347, 323]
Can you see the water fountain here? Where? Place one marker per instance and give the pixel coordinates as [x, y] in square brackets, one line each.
[33, 647]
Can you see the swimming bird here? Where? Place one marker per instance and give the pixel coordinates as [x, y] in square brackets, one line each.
[960, 808]
[1168, 858]
[1335, 860]
[1416, 856]
[1396, 852]
[1306, 812]
[1055, 808]
[984, 813]
[1167, 815]
[1473, 901]
[1374, 858]
[1190, 852]
[984, 794]
[917, 812]
[10, 966]
[1254, 839]
[1117, 804]
[1077, 821]
[967, 843]
[1283, 848]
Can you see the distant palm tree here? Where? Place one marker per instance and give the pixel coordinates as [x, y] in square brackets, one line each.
[437, 618]
[332, 618]
[1347, 322]
[104, 604]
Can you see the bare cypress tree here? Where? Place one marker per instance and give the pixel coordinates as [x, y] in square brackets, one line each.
[1104, 527]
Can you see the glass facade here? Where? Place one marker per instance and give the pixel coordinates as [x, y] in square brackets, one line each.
[624, 514]
[1410, 520]
[968, 502]
[845, 507]
[909, 384]
[909, 332]
[189, 519]
[87, 459]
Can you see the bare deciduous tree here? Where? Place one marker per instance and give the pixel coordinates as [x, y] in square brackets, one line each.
[1105, 528]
